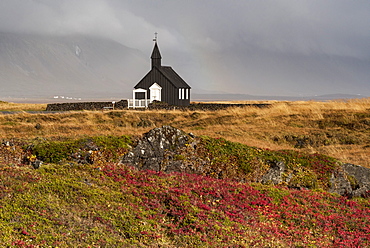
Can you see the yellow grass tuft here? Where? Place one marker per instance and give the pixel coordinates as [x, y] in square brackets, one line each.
[8, 106]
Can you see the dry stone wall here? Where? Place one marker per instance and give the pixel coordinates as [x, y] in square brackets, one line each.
[203, 106]
[123, 104]
[85, 106]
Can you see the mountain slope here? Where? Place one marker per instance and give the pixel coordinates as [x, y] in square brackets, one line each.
[39, 66]
[293, 74]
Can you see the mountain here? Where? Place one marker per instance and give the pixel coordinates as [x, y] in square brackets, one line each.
[258, 71]
[245, 97]
[74, 66]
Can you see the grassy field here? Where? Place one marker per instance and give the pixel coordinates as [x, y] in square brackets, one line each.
[82, 196]
[78, 206]
[340, 129]
[8, 106]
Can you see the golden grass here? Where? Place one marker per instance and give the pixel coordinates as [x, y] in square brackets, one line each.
[337, 128]
[9, 106]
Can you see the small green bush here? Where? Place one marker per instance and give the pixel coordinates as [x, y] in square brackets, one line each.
[57, 151]
[54, 152]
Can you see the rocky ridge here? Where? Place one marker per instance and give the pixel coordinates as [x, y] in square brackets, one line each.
[168, 149]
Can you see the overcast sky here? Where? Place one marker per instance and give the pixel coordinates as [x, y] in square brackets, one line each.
[262, 47]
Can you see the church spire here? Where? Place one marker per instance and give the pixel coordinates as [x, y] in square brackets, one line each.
[156, 55]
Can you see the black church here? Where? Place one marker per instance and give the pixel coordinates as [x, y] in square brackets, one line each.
[161, 83]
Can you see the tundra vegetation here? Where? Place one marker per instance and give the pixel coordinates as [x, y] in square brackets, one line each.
[82, 196]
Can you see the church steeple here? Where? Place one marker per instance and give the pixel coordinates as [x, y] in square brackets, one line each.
[156, 55]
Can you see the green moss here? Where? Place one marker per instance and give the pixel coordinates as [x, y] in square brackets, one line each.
[275, 192]
[303, 178]
[112, 142]
[57, 151]
[226, 152]
[68, 205]
[353, 182]
[54, 152]
[179, 157]
[308, 170]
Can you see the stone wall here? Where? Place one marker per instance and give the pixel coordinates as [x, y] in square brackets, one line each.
[156, 105]
[85, 106]
[204, 106]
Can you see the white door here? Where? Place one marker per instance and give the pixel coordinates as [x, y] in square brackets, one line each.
[155, 92]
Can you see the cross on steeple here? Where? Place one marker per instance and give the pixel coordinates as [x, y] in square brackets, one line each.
[155, 36]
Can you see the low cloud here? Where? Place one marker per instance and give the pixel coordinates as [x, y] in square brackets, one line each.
[307, 28]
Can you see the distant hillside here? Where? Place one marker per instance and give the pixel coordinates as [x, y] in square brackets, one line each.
[75, 66]
[245, 97]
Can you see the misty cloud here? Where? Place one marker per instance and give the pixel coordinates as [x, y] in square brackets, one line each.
[59, 17]
[280, 36]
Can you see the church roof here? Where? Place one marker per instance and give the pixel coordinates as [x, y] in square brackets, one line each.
[169, 74]
[173, 77]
